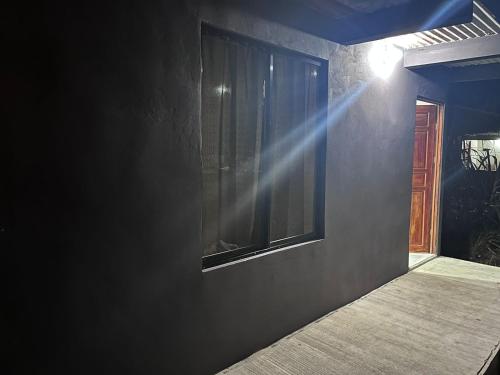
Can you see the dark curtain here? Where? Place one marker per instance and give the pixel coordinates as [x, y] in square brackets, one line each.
[294, 110]
[232, 118]
[235, 183]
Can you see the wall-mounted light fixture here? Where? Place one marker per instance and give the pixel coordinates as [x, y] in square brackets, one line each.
[383, 57]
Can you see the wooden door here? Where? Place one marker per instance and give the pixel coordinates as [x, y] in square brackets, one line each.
[424, 150]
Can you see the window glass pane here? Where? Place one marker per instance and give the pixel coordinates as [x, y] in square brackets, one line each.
[232, 128]
[294, 132]
[481, 154]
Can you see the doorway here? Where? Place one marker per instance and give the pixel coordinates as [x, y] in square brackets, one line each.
[426, 177]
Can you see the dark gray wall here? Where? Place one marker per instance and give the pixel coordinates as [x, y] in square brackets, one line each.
[105, 191]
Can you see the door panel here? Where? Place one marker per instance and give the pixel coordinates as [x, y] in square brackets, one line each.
[424, 149]
[419, 180]
[420, 149]
[417, 218]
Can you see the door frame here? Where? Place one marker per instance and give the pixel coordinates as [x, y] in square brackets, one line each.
[435, 235]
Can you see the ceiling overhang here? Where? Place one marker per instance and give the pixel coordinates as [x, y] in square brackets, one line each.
[487, 47]
[470, 73]
[350, 21]
[466, 52]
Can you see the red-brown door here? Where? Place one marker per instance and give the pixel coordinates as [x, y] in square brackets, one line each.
[424, 149]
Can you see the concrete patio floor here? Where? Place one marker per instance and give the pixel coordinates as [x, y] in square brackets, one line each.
[416, 259]
[441, 318]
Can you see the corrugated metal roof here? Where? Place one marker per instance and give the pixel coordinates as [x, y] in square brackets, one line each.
[483, 24]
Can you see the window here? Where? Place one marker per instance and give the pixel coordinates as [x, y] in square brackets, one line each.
[481, 152]
[263, 142]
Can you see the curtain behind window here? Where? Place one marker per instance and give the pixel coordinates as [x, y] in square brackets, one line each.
[294, 110]
[232, 118]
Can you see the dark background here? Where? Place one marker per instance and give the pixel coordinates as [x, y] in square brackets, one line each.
[473, 107]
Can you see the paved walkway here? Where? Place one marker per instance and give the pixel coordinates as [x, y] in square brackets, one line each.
[441, 318]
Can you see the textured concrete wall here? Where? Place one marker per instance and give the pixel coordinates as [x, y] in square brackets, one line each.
[106, 193]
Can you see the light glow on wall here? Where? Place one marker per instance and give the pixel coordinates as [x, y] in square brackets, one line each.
[383, 57]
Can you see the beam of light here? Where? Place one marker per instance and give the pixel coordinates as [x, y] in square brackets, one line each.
[245, 201]
[447, 10]
[452, 177]
[328, 117]
[345, 102]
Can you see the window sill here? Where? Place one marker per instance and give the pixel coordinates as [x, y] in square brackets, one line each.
[260, 254]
